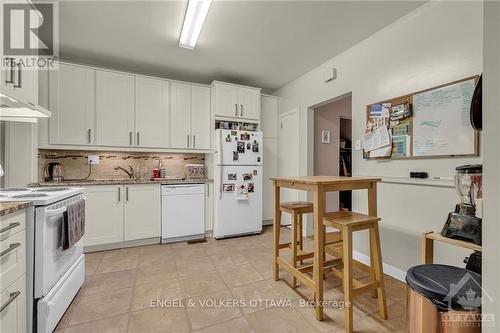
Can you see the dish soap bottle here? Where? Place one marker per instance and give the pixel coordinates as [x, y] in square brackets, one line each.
[162, 169]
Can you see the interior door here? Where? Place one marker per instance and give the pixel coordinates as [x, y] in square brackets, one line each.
[152, 112]
[72, 101]
[103, 214]
[142, 211]
[200, 117]
[288, 154]
[180, 108]
[114, 108]
[249, 103]
[226, 100]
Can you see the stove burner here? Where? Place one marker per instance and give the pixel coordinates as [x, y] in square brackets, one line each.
[30, 195]
[12, 189]
[51, 189]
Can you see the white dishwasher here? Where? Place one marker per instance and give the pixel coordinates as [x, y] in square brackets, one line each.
[182, 212]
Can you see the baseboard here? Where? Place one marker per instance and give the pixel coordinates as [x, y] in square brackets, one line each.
[121, 245]
[388, 269]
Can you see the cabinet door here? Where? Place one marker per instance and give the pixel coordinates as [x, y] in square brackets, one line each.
[152, 113]
[71, 101]
[114, 109]
[103, 214]
[200, 117]
[249, 103]
[142, 211]
[226, 100]
[270, 169]
[180, 109]
[269, 116]
[13, 317]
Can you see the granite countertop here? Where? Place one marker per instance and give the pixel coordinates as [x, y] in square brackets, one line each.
[162, 181]
[7, 208]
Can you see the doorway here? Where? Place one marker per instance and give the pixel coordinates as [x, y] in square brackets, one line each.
[332, 147]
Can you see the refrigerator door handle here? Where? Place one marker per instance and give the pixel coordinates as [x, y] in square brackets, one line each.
[221, 173]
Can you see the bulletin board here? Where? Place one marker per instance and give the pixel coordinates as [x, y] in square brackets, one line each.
[437, 125]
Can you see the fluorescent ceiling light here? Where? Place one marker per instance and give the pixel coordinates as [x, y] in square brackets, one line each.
[196, 14]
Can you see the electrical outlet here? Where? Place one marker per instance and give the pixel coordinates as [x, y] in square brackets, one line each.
[93, 159]
[357, 145]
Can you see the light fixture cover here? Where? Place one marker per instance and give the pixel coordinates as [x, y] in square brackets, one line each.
[196, 13]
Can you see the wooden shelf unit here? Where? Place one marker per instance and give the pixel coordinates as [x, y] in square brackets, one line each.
[428, 239]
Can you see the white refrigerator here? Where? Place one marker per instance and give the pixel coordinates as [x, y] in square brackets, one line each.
[238, 183]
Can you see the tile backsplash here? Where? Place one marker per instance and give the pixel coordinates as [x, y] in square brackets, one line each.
[75, 166]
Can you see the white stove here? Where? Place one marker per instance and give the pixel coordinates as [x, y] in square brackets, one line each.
[54, 276]
[39, 196]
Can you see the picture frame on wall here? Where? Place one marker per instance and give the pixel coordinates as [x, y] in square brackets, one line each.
[325, 137]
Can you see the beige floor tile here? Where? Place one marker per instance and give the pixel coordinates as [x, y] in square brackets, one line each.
[159, 320]
[155, 273]
[120, 252]
[284, 288]
[118, 263]
[145, 294]
[198, 284]
[228, 258]
[159, 258]
[65, 320]
[198, 265]
[239, 325]
[204, 313]
[238, 275]
[109, 325]
[277, 320]
[256, 296]
[102, 305]
[155, 248]
[189, 252]
[110, 281]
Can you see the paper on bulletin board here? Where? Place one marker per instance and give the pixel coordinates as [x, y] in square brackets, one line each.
[377, 139]
[401, 145]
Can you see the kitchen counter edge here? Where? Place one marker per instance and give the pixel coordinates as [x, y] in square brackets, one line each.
[125, 182]
[7, 208]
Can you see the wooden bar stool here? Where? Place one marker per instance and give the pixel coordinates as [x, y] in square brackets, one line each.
[347, 223]
[296, 209]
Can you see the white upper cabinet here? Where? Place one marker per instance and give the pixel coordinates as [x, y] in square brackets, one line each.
[236, 101]
[180, 108]
[200, 117]
[114, 109]
[269, 112]
[152, 113]
[71, 101]
[249, 105]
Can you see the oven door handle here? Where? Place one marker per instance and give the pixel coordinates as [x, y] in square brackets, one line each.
[54, 212]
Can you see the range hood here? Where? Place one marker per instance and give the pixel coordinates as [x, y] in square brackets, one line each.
[12, 109]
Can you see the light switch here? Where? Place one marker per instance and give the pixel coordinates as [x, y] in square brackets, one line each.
[357, 144]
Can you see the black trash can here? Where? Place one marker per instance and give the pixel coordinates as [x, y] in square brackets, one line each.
[443, 299]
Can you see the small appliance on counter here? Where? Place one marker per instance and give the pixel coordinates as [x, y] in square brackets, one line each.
[465, 222]
[194, 171]
[54, 172]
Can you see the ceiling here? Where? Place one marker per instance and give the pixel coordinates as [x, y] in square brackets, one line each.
[259, 43]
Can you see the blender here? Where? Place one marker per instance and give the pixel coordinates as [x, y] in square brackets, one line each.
[465, 222]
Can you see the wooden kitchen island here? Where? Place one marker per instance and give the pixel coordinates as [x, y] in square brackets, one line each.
[318, 185]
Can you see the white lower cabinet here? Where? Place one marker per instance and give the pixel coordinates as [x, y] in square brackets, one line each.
[141, 211]
[13, 315]
[117, 213]
[103, 214]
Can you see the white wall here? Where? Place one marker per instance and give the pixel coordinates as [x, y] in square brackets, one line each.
[437, 43]
[491, 121]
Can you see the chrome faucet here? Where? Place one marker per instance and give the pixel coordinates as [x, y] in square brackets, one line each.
[129, 173]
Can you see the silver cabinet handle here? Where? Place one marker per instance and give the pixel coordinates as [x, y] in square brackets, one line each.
[137, 143]
[19, 76]
[10, 226]
[236, 109]
[89, 131]
[11, 247]
[119, 194]
[130, 138]
[12, 296]
[241, 110]
[194, 141]
[188, 140]
[126, 193]
[11, 71]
